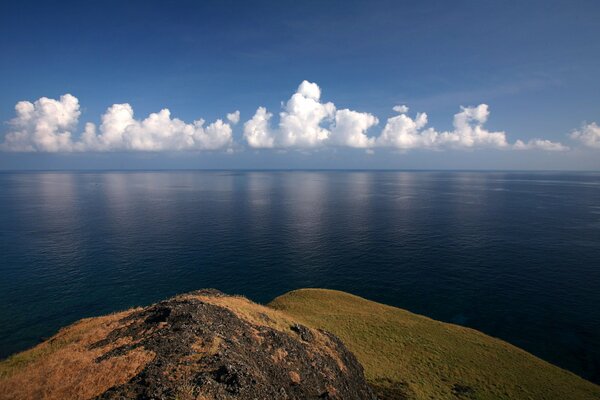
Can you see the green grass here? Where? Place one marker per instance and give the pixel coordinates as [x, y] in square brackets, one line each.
[411, 356]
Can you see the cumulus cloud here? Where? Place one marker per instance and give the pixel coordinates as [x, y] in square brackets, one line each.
[234, 117]
[47, 126]
[588, 134]
[301, 119]
[469, 131]
[44, 125]
[540, 144]
[257, 132]
[119, 130]
[402, 109]
[405, 133]
[306, 122]
[350, 127]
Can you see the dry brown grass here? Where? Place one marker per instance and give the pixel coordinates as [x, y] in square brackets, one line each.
[260, 315]
[245, 309]
[64, 367]
[326, 345]
[201, 349]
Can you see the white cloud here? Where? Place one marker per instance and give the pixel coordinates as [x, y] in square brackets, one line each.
[350, 127]
[588, 134]
[44, 125]
[47, 126]
[540, 144]
[158, 132]
[257, 131]
[402, 109]
[300, 121]
[306, 122]
[469, 131]
[309, 90]
[234, 117]
[404, 132]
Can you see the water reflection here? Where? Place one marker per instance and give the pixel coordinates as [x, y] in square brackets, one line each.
[55, 218]
[304, 205]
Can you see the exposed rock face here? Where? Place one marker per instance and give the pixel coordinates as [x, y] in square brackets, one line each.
[207, 345]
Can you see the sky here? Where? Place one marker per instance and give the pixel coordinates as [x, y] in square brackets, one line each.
[300, 85]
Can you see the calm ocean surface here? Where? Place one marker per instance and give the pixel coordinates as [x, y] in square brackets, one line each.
[515, 255]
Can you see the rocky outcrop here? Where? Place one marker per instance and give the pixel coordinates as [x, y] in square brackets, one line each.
[207, 345]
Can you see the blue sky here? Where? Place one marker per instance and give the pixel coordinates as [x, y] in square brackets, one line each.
[533, 64]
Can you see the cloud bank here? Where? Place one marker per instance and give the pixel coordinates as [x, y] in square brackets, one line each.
[540, 144]
[305, 122]
[404, 132]
[47, 125]
[158, 132]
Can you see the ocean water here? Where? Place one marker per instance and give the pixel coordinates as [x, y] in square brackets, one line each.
[513, 254]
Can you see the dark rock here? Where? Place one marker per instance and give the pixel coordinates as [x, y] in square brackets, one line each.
[207, 351]
[303, 331]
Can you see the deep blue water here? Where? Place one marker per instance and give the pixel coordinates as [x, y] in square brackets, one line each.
[516, 255]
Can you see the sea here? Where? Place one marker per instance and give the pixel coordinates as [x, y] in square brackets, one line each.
[513, 254]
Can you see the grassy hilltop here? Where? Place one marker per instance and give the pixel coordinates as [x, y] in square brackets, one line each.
[202, 345]
[208, 345]
[411, 356]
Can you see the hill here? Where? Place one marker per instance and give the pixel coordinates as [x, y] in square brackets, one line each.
[414, 357]
[201, 345]
[207, 345]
